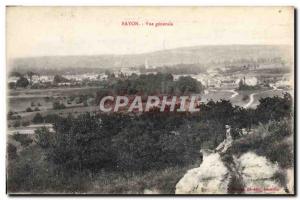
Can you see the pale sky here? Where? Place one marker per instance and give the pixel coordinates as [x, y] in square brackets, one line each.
[44, 31]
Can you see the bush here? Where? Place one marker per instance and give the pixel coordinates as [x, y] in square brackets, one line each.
[23, 139]
[245, 97]
[11, 152]
[187, 84]
[29, 109]
[25, 123]
[160, 83]
[43, 137]
[51, 118]
[271, 143]
[80, 143]
[17, 123]
[38, 118]
[274, 108]
[22, 82]
[58, 106]
[10, 115]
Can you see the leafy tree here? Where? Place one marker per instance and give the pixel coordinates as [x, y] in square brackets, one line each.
[16, 123]
[187, 84]
[274, 108]
[22, 82]
[59, 79]
[25, 140]
[30, 74]
[29, 109]
[140, 151]
[80, 144]
[222, 111]
[155, 84]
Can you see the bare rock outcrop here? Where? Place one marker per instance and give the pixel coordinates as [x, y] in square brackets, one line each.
[210, 178]
[248, 174]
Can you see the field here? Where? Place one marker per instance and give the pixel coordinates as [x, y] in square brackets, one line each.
[19, 101]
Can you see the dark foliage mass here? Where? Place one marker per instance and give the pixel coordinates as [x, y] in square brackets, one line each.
[58, 106]
[59, 79]
[22, 82]
[152, 141]
[155, 84]
[24, 140]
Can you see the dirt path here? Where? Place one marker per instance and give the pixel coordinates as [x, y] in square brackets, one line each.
[250, 101]
[235, 93]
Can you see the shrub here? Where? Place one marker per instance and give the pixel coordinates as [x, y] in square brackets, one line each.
[16, 123]
[57, 105]
[80, 143]
[43, 137]
[25, 123]
[51, 118]
[10, 115]
[29, 109]
[11, 152]
[271, 143]
[11, 85]
[245, 97]
[22, 82]
[38, 118]
[23, 139]
[274, 108]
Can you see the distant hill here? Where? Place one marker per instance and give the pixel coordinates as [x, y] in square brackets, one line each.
[186, 55]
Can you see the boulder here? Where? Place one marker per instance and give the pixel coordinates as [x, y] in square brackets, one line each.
[259, 174]
[210, 178]
[256, 174]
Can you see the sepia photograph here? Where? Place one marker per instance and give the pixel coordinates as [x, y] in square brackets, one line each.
[150, 100]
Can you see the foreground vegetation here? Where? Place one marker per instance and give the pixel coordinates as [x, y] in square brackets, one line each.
[120, 153]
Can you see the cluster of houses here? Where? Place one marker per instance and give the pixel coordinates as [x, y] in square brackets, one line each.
[126, 72]
[75, 78]
[40, 79]
[219, 81]
[213, 78]
[233, 81]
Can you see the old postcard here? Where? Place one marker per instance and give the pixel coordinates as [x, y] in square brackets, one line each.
[150, 100]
